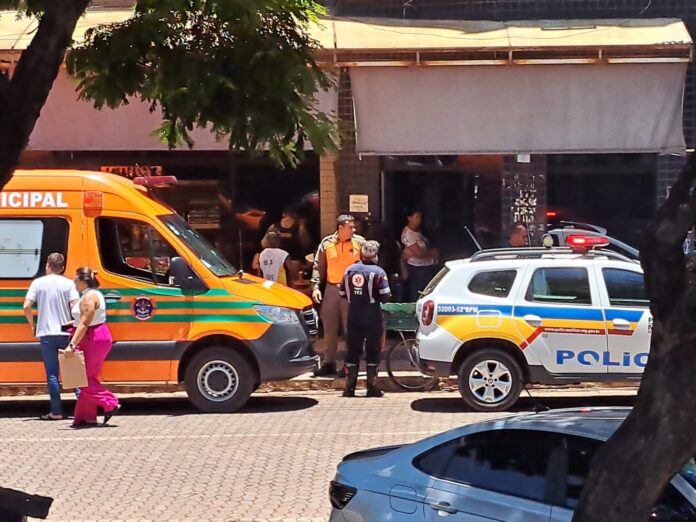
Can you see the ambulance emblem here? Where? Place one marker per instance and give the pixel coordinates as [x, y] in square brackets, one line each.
[143, 308]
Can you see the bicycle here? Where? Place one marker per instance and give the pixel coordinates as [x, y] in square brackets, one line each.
[401, 357]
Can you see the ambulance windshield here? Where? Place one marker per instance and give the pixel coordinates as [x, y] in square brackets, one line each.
[217, 264]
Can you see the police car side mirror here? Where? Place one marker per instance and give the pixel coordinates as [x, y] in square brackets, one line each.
[184, 277]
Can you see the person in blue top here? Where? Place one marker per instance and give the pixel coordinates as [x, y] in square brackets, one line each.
[366, 286]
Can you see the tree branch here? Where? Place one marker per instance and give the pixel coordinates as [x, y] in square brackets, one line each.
[32, 80]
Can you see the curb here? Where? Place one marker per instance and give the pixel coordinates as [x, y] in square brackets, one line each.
[308, 384]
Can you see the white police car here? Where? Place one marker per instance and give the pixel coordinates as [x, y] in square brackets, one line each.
[507, 317]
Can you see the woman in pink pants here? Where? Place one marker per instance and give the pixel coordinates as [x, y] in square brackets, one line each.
[91, 336]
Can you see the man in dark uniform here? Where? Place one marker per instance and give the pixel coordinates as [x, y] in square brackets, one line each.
[365, 285]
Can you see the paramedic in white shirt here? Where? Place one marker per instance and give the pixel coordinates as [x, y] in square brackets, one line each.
[54, 296]
[421, 259]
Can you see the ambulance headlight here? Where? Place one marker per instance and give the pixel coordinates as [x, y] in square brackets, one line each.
[277, 314]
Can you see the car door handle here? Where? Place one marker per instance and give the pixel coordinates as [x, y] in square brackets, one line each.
[621, 324]
[112, 296]
[445, 507]
[533, 320]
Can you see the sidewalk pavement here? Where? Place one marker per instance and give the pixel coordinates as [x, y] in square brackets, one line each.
[306, 383]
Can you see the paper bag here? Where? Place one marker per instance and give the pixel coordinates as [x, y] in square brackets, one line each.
[72, 370]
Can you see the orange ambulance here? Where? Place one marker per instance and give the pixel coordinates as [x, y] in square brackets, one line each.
[178, 311]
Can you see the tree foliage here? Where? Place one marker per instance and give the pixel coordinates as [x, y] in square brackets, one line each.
[244, 69]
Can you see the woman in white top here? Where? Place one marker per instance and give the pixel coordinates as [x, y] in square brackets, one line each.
[420, 257]
[91, 336]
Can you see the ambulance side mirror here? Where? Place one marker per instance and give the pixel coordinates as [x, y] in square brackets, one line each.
[184, 277]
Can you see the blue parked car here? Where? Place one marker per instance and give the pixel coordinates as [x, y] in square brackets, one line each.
[522, 468]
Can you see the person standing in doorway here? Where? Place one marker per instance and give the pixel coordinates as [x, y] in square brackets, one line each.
[518, 236]
[365, 285]
[54, 296]
[420, 257]
[91, 336]
[334, 255]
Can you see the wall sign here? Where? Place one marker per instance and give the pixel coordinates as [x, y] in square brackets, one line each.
[359, 203]
[133, 171]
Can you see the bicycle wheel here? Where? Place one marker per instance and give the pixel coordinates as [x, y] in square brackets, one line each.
[403, 370]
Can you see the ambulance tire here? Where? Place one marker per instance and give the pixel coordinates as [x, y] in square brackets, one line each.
[219, 380]
[505, 387]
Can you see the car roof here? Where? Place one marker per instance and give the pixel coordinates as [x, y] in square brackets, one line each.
[505, 258]
[598, 423]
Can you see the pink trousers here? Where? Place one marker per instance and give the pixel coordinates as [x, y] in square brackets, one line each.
[96, 345]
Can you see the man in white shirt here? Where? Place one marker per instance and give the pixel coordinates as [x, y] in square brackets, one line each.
[54, 296]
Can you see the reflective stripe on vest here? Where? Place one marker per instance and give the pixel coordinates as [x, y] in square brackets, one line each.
[339, 256]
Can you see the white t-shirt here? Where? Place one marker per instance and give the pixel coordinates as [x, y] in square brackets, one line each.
[52, 295]
[99, 316]
[272, 261]
[411, 237]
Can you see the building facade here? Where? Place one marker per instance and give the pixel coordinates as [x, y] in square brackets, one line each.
[619, 191]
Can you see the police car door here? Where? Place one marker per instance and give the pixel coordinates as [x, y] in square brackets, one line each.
[627, 315]
[560, 316]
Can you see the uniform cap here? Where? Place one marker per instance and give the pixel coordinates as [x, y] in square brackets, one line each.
[370, 249]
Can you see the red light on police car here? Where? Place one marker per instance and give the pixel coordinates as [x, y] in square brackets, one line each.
[92, 200]
[551, 214]
[428, 313]
[580, 243]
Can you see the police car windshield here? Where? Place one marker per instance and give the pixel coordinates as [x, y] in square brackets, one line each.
[217, 264]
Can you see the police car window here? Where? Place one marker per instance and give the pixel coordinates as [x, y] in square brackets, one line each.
[671, 506]
[134, 249]
[27, 244]
[560, 286]
[625, 288]
[493, 284]
[512, 462]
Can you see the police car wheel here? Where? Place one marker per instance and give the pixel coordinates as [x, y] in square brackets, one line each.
[219, 380]
[490, 380]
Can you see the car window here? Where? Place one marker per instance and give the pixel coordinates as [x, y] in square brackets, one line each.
[625, 288]
[494, 284]
[430, 287]
[27, 243]
[560, 286]
[671, 507]
[513, 462]
[134, 249]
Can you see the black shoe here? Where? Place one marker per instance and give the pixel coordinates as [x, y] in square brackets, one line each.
[342, 373]
[372, 389]
[326, 370]
[351, 381]
[109, 414]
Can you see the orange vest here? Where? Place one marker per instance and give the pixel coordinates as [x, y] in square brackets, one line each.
[339, 256]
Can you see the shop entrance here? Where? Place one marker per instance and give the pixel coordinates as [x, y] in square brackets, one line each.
[446, 199]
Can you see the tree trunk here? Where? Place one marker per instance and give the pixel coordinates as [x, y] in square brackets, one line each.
[632, 469]
[22, 98]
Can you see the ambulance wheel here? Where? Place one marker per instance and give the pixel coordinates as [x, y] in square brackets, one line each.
[490, 380]
[219, 380]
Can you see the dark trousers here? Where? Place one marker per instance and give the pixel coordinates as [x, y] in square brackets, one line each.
[367, 330]
[418, 279]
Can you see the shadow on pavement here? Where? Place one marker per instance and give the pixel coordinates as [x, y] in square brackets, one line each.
[525, 404]
[171, 406]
